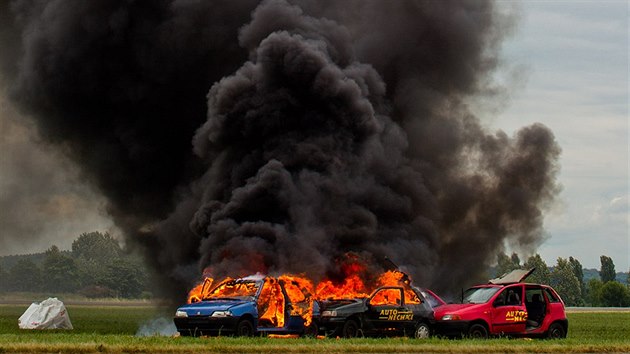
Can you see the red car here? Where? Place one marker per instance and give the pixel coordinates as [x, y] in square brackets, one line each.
[505, 306]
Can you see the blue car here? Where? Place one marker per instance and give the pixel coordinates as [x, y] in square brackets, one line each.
[247, 306]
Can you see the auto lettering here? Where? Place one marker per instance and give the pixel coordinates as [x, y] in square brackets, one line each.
[395, 315]
[516, 316]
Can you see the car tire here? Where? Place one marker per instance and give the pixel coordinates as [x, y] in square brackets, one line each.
[245, 328]
[350, 329]
[478, 331]
[423, 331]
[556, 331]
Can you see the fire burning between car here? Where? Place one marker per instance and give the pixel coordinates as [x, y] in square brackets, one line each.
[352, 287]
[286, 304]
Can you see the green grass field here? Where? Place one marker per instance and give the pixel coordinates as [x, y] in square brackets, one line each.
[112, 329]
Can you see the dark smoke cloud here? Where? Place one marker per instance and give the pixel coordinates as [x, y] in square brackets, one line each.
[41, 192]
[121, 86]
[317, 128]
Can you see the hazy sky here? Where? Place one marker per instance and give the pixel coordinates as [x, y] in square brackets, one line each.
[570, 61]
[43, 200]
[574, 58]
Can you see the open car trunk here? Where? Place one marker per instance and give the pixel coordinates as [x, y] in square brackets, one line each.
[515, 276]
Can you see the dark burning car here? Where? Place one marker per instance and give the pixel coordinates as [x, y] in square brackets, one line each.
[390, 310]
[505, 306]
[246, 306]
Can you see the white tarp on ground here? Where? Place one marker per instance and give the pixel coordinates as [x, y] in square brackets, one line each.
[48, 314]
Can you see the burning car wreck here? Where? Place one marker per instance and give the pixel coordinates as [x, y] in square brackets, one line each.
[247, 306]
[394, 308]
[291, 304]
[390, 310]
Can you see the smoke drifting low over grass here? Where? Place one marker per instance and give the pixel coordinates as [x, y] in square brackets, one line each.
[239, 137]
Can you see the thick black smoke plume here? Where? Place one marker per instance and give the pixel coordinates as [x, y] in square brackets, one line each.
[317, 128]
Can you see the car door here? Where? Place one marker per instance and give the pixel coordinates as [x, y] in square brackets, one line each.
[535, 304]
[386, 310]
[555, 307]
[298, 305]
[509, 314]
[271, 305]
[416, 308]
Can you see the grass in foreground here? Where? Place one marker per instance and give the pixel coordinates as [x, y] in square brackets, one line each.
[112, 329]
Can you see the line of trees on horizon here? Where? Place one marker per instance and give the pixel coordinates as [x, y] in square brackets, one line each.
[96, 267]
[567, 277]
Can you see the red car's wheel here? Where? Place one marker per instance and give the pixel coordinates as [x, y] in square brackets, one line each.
[478, 331]
[556, 331]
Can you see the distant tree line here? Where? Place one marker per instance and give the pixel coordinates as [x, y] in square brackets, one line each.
[95, 267]
[98, 267]
[567, 277]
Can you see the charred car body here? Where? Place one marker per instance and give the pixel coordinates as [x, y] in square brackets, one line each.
[505, 306]
[390, 310]
[246, 306]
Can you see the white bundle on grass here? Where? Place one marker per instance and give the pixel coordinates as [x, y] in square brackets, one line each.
[48, 314]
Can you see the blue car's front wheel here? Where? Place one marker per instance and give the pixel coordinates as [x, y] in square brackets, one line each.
[245, 328]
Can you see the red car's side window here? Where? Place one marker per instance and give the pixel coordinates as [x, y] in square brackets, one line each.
[509, 297]
[551, 296]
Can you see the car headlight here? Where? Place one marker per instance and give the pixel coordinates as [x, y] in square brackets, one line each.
[451, 318]
[181, 313]
[221, 314]
[329, 313]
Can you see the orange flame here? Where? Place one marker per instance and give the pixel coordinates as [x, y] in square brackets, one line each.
[397, 278]
[200, 291]
[351, 287]
[387, 297]
[271, 304]
[301, 292]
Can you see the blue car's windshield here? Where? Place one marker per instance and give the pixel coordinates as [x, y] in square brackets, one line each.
[479, 295]
[234, 289]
